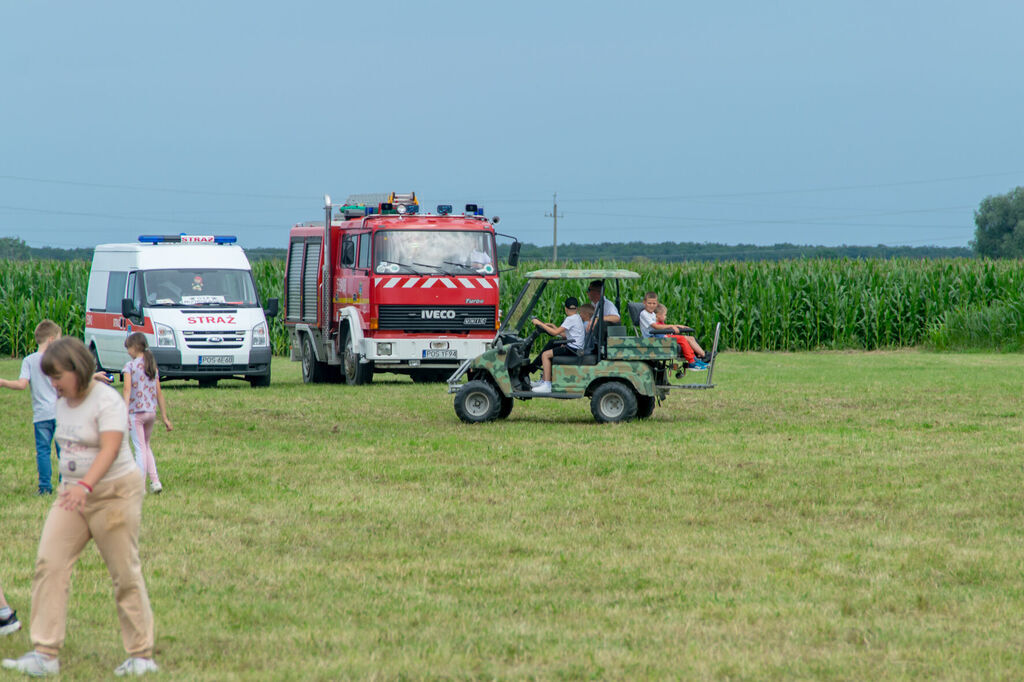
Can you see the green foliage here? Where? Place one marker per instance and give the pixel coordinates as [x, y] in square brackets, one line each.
[996, 327]
[1000, 225]
[805, 304]
[31, 291]
[774, 306]
[672, 252]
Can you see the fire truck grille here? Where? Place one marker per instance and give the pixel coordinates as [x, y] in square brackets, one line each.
[453, 318]
[216, 339]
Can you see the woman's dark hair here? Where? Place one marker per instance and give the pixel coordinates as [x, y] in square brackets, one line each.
[137, 341]
[68, 354]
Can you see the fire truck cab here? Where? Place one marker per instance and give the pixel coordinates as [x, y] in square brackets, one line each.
[390, 289]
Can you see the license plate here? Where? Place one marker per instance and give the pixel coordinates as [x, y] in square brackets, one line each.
[440, 355]
[216, 360]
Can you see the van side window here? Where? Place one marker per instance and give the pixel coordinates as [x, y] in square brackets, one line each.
[135, 289]
[116, 291]
[364, 251]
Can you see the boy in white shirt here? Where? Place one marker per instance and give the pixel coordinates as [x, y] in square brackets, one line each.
[572, 328]
[652, 323]
[44, 401]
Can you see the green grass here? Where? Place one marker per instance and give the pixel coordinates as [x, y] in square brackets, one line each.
[840, 516]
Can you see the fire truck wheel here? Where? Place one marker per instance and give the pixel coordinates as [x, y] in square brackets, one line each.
[613, 402]
[356, 373]
[476, 402]
[312, 371]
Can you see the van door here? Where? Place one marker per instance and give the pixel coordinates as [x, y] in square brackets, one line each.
[110, 336]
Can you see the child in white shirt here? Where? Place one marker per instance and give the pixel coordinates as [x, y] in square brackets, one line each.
[572, 328]
[652, 323]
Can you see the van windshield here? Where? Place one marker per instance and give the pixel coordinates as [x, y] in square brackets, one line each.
[198, 287]
[427, 252]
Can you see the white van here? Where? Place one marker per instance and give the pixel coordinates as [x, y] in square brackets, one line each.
[195, 299]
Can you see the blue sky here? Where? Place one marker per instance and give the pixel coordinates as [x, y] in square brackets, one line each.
[744, 122]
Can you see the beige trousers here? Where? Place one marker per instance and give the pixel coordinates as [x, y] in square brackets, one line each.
[112, 516]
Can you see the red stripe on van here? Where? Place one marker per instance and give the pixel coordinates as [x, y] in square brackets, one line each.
[115, 322]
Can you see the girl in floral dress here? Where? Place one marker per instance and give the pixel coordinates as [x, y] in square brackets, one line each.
[143, 395]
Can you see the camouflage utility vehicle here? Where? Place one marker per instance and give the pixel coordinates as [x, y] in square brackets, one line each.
[624, 375]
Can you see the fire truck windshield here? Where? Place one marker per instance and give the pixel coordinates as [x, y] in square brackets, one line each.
[195, 287]
[434, 251]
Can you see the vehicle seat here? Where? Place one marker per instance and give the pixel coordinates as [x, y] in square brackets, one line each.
[588, 359]
[634, 314]
[617, 330]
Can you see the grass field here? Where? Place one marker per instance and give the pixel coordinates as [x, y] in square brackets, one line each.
[838, 516]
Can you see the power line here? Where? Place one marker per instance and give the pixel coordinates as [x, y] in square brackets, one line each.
[142, 188]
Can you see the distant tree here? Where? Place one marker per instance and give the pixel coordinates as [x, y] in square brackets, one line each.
[1000, 226]
[12, 248]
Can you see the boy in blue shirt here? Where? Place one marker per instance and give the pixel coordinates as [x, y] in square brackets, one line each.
[44, 401]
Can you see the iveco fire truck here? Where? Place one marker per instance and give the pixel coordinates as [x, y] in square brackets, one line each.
[387, 288]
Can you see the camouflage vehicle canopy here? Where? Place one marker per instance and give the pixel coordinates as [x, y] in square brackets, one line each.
[624, 375]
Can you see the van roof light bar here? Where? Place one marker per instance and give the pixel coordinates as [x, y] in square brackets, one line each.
[187, 238]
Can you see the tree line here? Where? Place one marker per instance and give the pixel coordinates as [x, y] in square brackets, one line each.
[12, 248]
[999, 233]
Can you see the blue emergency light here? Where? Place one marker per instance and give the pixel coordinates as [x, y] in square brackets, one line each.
[179, 238]
[474, 209]
[444, 209]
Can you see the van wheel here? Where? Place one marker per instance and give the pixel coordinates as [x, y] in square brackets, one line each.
[645, 406]
[259, 381]
[95, 357]
[613, 402]
[313, 372]
[356, 373]
[477, 402]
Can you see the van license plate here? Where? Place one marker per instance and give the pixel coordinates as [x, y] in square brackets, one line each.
[439, 355]
[216, 360]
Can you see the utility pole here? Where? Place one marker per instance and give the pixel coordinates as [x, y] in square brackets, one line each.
[554, 242]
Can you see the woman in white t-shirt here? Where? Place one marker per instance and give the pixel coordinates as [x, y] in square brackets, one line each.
[100, 499]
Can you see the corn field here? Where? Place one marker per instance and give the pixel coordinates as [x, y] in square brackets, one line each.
[777, 306]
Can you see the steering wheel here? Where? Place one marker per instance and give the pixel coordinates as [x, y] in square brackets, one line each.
[528, 341]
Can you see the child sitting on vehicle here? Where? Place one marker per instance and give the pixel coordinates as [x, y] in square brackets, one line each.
[573, 328]
[652, 323]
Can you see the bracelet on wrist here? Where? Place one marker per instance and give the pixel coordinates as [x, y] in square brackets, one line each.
[84, 485]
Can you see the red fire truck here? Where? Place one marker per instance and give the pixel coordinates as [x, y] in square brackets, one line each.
[398, 290]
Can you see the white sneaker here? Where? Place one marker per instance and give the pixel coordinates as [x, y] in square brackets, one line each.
[542, 387]
[33, 664]
[155, 488]
[136, 666]
[10, 624]
[535, 384]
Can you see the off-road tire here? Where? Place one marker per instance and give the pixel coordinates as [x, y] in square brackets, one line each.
[613, 402]
[356, 373]
[313, 371]
[506, 407]
[477, 402]
[645, 406]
